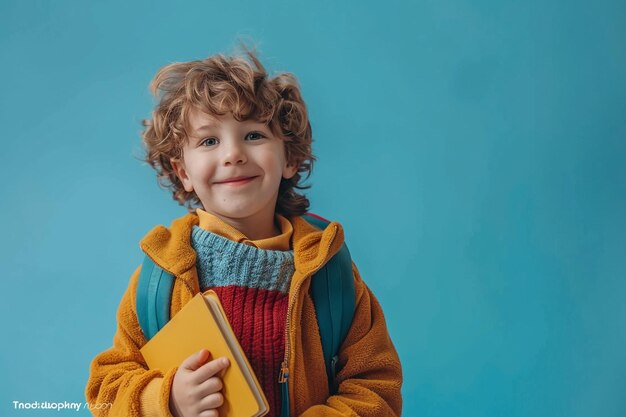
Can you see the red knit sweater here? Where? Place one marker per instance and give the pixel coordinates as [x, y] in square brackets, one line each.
[257, 317]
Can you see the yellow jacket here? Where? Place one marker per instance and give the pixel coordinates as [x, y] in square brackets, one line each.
[369, 375]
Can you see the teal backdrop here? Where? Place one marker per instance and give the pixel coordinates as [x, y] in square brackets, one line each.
[473, 150]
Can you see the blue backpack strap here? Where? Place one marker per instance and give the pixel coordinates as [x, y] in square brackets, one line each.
[333, 294]
[154, 295]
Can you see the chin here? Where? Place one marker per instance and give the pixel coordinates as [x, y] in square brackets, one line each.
[237, 213]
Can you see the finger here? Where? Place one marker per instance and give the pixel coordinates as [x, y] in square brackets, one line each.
[210, 369]
[196, 360]
[209, 413]
[211, 385]
[211, 401]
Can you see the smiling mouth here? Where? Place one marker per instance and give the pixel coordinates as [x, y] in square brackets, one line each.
[237, 181]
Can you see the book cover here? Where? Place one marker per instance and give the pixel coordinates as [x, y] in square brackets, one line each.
[202, 324]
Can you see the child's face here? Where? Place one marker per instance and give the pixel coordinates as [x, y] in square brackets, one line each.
[234, 167]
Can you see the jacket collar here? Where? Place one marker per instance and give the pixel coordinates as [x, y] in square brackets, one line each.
[170, 247]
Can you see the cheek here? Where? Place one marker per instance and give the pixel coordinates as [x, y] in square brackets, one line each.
[276, 160]
[203, 170]
[275, 166]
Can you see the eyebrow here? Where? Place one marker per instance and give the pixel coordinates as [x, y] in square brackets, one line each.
[218, 123]
[207, 126]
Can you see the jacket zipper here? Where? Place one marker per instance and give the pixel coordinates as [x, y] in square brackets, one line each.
[283, 378]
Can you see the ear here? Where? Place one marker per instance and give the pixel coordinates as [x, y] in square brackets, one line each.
[181, 173]
[289, 171]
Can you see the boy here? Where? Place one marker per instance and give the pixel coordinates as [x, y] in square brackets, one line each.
[234, 143]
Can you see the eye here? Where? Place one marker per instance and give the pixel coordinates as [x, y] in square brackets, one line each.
[209, 142]
[253, 136]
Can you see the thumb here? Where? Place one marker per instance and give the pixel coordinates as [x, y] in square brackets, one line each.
[196, 360]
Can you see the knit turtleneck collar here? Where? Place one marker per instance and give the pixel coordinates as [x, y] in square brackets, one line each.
[222, 262]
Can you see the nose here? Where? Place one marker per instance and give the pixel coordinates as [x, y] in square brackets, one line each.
[233, 153]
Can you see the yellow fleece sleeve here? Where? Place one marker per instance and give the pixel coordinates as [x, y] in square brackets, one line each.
[119, 376]
[369, 376]
[150, 397]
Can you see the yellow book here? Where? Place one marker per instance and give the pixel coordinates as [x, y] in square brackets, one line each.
[202, 324]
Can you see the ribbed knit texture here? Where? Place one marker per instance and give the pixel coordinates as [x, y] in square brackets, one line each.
[252, 285]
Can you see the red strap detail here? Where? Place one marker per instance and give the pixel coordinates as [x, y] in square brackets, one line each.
[317, 217]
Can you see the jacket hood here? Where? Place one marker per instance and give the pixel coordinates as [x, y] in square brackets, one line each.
[170, 247]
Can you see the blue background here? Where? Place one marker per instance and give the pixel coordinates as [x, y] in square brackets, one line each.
[473, 150]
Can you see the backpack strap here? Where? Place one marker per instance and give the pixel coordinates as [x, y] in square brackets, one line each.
[333, 294]
[154, 294]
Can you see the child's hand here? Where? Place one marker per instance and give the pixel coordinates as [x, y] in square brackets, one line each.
[196, 386]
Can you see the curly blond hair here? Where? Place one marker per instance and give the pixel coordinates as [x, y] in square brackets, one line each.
[218, 85]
